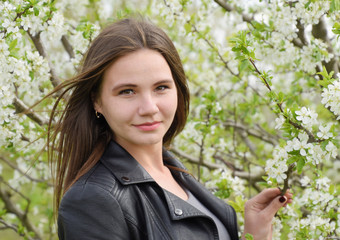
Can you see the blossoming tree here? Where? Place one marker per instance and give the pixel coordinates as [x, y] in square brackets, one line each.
[265, 109]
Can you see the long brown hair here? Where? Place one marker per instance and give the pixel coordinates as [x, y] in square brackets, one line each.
[78, 139]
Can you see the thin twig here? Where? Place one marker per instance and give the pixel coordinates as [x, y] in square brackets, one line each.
[23, 173]
[212, 166]
[285, 183]
[311, 137]
[266, 138]
[8, 226]
[215, 49]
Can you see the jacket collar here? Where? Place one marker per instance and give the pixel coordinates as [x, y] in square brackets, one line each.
[128, 171]
[126, 168]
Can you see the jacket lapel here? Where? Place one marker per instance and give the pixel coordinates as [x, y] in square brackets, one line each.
[128, 171]
[123, 166]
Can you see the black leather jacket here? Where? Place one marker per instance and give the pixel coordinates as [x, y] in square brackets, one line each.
[117, 199]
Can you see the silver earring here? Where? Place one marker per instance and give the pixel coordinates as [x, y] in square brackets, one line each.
[98, 114]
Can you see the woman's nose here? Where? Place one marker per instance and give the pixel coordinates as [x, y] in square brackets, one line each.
[148, 105]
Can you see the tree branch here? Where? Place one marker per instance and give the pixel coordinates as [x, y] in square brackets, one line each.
[8, 226]
[249, 144]
[212, 166]
[68, 47]
[301, 40]
[23, 173]
[229, 8]
[320, 31]
[39, 46]
[21, 107]
[269, 138]
[22, 216]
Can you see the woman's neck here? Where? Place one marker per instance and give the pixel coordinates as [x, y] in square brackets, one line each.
[149, 156]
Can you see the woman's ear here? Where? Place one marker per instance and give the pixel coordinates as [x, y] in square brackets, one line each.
[96, 102]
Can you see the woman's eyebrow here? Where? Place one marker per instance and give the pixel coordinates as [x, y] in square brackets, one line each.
[164, 81]
[124, 85]
[131, 85]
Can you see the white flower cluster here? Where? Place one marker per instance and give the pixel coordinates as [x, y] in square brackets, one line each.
[236, 184]
[324, 131]
[313, 153]
[331, 97]
[277, 228]
[55, 27]
[312, 55]
[299, 144]
[276, 167]
[169, 11]
[307, 116]
[75, 9]
[32, 23]
[276, 56]
[317, 199]
[312, 13]
[284, 20]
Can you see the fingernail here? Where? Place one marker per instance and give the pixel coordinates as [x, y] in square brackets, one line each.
[282, 199]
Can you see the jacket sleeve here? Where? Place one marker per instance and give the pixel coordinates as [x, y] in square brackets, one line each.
[90, 212]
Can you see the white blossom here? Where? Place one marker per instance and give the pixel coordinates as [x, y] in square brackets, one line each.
[3, 48]
[324, 131]
[305, 181]
[306, 116]
[301, 145]
[276, 167]
[55, 27]
[331, 97]
[323, 183]
[279, 122]
[316, 154]
[332, 149]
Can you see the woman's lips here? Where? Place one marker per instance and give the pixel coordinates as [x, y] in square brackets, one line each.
[148, 126]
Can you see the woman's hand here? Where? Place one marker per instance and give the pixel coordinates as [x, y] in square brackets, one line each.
[260, 210]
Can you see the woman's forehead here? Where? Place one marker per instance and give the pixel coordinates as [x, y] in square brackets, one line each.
[144, 64]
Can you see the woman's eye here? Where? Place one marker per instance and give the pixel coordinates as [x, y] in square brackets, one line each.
[162, 88]
[126, 92]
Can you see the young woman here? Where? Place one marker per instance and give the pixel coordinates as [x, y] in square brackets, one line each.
[114, 174]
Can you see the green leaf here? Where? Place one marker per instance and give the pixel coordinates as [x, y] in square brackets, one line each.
[281, 97]
[12, 44]
[308, 3]
[36, 11]
[2, 212]
[300, 164]
[325, 74]
[187, 27]
[293, 159]
[12, 48]
[243, 65]
[238, 204]
[249, 236]
[331, 189]
[224, 189]
[334, 6]
[324, 144]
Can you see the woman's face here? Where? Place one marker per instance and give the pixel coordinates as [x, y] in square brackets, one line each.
[138, 98]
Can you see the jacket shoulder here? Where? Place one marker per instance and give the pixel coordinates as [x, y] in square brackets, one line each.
[99, 176]
[89, 210]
